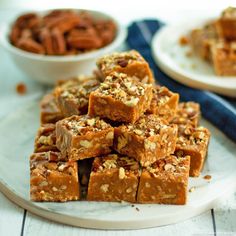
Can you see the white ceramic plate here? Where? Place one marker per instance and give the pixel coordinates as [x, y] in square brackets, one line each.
[16, 144]
[192, 71]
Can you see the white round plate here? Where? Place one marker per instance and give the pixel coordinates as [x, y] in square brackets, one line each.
[192, 71]
[16, 144]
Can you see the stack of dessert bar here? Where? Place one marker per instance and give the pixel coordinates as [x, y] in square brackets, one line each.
[215, 42]
[141, 142]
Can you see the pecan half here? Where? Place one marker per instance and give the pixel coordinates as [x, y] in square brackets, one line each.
[15, 34]
[58, 42]
[46, 39]
[30, 45]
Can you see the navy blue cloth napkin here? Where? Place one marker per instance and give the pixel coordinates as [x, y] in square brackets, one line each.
[220, 111]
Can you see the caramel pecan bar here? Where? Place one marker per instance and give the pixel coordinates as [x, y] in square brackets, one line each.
[187, 112]
[164, 103]
[80, 137]
[49, 111]
[224, 58]
[202, 39]
[130, 63]
[46, 138]
[52, 178]
[73, 95]
[148, 140]
[193, 142]
[114, 178]
[120, 98]
[226, 24]
[165, 181]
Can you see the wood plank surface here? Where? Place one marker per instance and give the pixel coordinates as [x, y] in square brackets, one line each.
[11, 217]
[225, 215]
[198, 225]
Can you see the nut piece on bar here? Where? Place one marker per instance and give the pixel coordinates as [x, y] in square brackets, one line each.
[52, 178]
[49, 111]
[46, 138]
[164, 103]
[130, 63]
[165, 181]
[73, 95]
[120, 98]
[193, 142]
[114, 178]
[226, 25]
[80, 137]
[202, 39]
[224, 58]
[187, 113]
[148, 140]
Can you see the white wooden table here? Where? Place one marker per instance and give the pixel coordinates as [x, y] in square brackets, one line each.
[17, 221]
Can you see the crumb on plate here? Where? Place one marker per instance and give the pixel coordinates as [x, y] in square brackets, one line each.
[183, 40]
[207, 177]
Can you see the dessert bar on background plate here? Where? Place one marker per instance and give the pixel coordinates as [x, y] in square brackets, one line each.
[220, 164]
[172, 58]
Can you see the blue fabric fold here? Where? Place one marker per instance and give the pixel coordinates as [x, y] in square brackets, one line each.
[219, 110]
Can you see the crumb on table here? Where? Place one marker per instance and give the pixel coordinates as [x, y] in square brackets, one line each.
[21, 88]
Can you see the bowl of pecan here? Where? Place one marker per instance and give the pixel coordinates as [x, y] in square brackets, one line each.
[58, 44]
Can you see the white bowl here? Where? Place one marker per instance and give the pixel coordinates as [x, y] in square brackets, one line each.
[48, 69]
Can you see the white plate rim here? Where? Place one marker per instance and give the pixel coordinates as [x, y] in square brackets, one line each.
[109, 225]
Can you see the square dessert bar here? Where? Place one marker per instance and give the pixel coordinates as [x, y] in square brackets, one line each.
[130, 63]
[73, 95]
[187, 112]
[164, 103]
[148, 140]
[120, 98]
[49, 111]
[224, 58]
[226, 25]
[193, 142]
[52, 178]
[80, 137]
[202, 39]
[165, 181]
[46, 138]
[114, 178]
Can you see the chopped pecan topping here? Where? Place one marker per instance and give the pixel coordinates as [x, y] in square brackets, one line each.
[80, 125]
[122, 62]
[193, 136]
[113, 161]
[187, 112]
[121, 59]
[171, 164]
[51, 161]
[148, 125]
[123, 88]
[77, 90]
